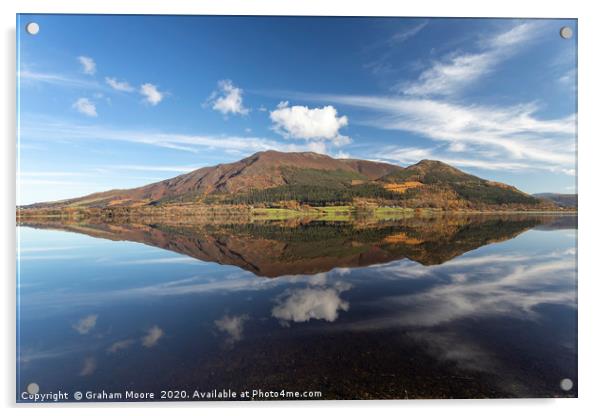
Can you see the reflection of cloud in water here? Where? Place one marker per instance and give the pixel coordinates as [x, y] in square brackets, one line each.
[161, 260]
[27, 354]
[301, 305]
[509, 289]
[232, 325]
[235, 282]
[89, 367]
[319, 279]
[450, 346]
[120, 345]
[86, 324]
[152, 337]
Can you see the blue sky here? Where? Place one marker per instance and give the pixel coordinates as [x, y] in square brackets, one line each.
[121, 101]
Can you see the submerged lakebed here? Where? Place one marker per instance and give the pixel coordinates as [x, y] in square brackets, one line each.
[457, 306]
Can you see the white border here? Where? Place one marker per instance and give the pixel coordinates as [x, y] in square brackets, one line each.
[590, 287]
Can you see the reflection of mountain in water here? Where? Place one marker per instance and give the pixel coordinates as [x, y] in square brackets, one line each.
[274, 249]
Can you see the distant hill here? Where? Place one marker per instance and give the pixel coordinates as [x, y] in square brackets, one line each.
[275, 179]
[563, 200]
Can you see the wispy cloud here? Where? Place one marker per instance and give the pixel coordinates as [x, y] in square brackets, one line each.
[88, 65]
[382, 64]
[57, 79]
[454, 72]
[119, 85]
[48, 129]
[155, 168]
[510, 134]
[405, 34]
[161, 260]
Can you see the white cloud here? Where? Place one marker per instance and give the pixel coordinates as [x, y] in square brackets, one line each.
[154, 168]
[85, 106]
[57, 79]
[383, 64]
[404, 35]
[44, 129]
[86, 324]
[301, 122]
[151, 94]
[518, 34]
[228, 100]
[88, 64]
[152, 337]
[445, 78]
[119, 85]
[232, 325]
[492, 136]
[569, 79]
[321, 303]
[458, 70]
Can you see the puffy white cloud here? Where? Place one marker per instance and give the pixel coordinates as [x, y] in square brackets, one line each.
[119, 85]
[85, 106]
[151, 94]
[152, 336]
[86, 324]
[301, 305]
[88, 64]
[232, 325]
[228, 99]
[301, 122]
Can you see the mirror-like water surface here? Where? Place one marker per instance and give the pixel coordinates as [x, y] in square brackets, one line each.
[447, 307]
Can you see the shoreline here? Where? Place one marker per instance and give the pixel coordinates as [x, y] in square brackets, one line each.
[221, 213]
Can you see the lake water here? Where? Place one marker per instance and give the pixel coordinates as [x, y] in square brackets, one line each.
[452, 307]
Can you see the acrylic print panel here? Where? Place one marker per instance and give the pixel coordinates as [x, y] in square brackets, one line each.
[308, 208]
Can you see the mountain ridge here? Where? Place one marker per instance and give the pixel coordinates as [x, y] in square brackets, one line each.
[275, 179]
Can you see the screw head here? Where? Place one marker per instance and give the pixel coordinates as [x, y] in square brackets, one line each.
[566, 32]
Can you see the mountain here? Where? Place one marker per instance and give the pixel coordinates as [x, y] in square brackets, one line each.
[277, 179]
[563, 200]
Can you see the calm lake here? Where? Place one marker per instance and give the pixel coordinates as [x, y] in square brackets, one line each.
[437, 307]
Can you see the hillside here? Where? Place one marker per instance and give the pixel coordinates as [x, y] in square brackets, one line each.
[276, 179]
[563, 200]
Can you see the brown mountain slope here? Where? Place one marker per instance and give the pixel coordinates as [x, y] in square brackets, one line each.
[272, 178]
[259, 171]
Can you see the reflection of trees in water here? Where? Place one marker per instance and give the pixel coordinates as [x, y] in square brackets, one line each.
[275, 248]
